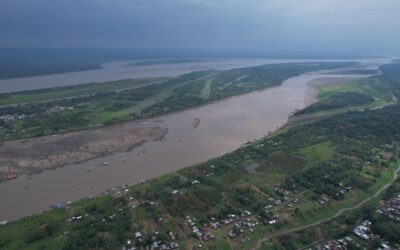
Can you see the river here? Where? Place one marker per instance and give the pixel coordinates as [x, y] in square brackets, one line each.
[224, 126]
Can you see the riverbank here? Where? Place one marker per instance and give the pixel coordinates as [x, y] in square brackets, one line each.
[225, 125]
[35, 155]
[149, 100]
[314, 85]
[49, 152]
[220, 195]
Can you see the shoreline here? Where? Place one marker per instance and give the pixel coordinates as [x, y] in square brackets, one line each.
[314, 85]
[61, 136]
[51, 152]
[310, 97]
[115, 126]
[127, 184]
[210, 139]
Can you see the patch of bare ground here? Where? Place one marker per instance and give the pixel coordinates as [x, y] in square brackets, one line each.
[37, 154]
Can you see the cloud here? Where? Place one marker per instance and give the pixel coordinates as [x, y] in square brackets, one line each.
[297, 24]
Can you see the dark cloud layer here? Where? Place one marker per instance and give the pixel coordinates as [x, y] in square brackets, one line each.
[368, 25]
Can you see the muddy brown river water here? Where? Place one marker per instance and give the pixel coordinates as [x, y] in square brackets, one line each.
[220, 128]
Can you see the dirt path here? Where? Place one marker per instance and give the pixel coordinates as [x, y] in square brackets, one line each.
[339, 213]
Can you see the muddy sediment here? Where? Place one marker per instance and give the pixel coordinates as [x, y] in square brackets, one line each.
[37, 154]
[195, 122]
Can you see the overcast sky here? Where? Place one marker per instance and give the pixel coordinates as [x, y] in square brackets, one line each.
[363, 25]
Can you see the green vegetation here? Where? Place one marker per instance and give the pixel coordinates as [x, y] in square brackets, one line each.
[307, 173]
[373, 92]
[73, 91]
[342, 162]
[317, 153]
[358, 72]
[374, 87]
[89, 105]
[336, 101]
[343, 226]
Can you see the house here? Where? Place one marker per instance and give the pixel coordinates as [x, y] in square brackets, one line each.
[215, 225]
[174, 245]
[197, 233]
[232, 234]
[171, 235]
[57, 205]
[362, 232]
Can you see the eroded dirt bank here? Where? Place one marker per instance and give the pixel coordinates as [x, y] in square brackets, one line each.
[37, 154]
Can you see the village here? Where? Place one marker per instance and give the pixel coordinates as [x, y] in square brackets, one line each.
[391, 209]
[363, 235]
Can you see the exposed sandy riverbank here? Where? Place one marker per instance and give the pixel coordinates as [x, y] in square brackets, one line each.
[37, 154]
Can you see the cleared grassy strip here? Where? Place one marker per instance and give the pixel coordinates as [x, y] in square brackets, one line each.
[73, 91]
[317, 153]
[386, 177]
[164, 95]
[206, 91]
[219, 245]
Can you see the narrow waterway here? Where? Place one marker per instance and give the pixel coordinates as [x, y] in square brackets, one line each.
[194, 136]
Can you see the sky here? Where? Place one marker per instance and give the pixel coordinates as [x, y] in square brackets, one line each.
[344, 25]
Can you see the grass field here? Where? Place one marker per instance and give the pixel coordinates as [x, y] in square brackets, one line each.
[317, 153]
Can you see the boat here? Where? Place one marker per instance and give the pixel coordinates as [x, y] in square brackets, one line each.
[10, 177]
